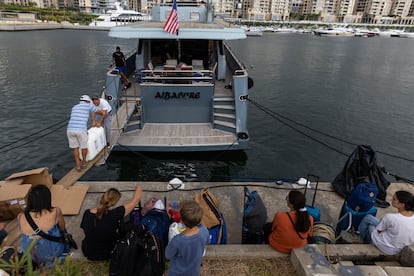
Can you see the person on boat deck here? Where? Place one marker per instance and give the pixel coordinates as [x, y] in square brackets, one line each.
[395, 230]
[166, 53]
[101, 224]
[77, 129]
[291, 229]
[106, 118]
[118, 59]
[50, 220]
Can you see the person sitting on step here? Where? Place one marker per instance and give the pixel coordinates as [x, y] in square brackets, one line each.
[395, 230]
[291, 229]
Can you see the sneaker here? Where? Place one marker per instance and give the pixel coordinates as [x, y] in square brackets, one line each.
[381, 203]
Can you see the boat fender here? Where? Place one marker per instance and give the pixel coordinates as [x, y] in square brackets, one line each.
[250, 82]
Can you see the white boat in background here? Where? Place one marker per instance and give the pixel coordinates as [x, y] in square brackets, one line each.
[406, 35]
[338, 31]
[391, 33]
[285, 30]
[366, 33]
[118, 16]
[253, 31]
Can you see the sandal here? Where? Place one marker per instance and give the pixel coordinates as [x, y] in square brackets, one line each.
[83, 166]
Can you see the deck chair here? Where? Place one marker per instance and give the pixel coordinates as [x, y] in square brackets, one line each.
[348, 223]
[150, 66]
[197, 64]
[171, 62]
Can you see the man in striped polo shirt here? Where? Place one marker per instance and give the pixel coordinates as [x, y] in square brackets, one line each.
[77, 129]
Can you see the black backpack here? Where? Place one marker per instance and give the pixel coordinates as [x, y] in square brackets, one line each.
[139, 253]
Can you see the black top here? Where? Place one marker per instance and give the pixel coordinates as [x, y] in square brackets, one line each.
[100, 234]
[119, 58]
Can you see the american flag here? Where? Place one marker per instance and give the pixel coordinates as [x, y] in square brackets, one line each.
[171, 25]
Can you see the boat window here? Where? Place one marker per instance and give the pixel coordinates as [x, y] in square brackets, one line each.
[195, 16]
[182, 50]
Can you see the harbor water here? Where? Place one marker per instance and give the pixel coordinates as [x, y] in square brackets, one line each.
[318, 98]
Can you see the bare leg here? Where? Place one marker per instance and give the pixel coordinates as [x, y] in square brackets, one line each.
[76, 156]
[125, 79]
[84, 153]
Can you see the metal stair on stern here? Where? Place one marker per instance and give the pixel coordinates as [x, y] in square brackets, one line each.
[224, 114]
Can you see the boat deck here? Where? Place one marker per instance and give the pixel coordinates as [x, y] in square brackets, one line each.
[172, 136]
[167, 135]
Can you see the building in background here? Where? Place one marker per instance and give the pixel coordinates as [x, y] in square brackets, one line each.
[330, 11]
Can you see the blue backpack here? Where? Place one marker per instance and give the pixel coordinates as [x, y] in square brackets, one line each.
[362, 197]
[157, 222]
[218, 234]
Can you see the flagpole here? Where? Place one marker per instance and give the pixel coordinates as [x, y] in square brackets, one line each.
[179, 49]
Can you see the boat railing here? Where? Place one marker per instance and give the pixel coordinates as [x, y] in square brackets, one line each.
[176, 76]
[233, 62]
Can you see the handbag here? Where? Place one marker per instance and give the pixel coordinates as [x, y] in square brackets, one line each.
[65, 238]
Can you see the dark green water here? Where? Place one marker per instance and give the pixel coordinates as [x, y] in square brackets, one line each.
[356, 89]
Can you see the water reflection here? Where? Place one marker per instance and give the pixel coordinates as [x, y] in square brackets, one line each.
[199, 166]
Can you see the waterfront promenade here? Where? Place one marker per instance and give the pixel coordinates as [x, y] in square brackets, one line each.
[15, 26]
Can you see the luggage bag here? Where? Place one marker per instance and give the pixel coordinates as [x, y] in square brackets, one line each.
[312, 210]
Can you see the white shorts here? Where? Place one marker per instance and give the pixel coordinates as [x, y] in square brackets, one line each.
[78, 139]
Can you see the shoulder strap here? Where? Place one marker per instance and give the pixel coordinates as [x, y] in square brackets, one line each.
[291, 220]
[39, 231]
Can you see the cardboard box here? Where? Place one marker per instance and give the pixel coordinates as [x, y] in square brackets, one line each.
[34, 177]
[14, 191]
[13, 200]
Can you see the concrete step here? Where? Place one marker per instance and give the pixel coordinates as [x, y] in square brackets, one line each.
[221, 251]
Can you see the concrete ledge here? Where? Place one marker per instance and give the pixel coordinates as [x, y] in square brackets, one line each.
[242, 251]
[361, 270]
[337, 259]
[354, 252]
[399, 271]
[309, 260]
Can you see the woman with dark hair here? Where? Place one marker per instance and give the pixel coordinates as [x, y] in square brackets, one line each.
[291, 229]
[394, 231]
[101, 224]
[50, 220]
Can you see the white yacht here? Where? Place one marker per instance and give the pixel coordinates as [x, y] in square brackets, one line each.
[118, 16]
[337, 31]
[190, 92]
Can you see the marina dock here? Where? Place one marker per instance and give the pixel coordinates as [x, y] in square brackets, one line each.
[231, 198]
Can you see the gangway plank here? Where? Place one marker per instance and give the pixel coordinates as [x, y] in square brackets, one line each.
[73, 175]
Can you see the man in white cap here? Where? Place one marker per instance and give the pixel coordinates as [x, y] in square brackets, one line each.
[77, 129]
[105, 118]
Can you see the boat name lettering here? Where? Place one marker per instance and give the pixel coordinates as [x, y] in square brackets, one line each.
[177, 95]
